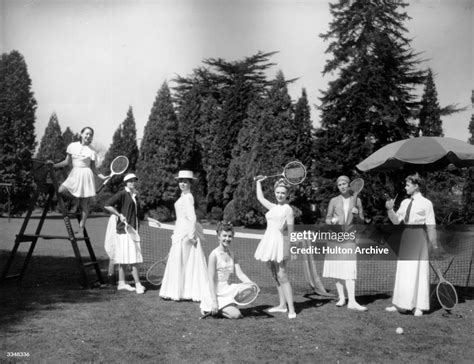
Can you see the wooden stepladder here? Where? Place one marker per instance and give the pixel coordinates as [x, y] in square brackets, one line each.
[46, 182]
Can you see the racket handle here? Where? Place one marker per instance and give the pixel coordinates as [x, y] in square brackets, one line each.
[103, 184]
[256, 178]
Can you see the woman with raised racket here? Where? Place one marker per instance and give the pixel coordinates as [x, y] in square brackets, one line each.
[185, 276]
[219, 298]
[80, 182]
[274, 248]
[412, 279]
[342, 210]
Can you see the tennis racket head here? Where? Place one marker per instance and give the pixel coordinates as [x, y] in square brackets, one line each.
[246, 294]
[357, 185]
[447, 295]
[295, 172]
[132, 232]
[119, 165]
[155, 273]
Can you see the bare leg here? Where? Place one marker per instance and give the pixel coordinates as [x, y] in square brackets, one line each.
[121, 274]
[340, 293]
[282, 305]
[352, 304]
[138, 286]
[286, 288]
[84, 202]
[231, 312]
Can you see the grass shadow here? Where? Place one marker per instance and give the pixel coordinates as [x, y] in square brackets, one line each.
[49, 283]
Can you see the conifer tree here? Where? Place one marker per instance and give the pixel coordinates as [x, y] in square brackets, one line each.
[238, 84]
[430, 113]
[471, 130]
[191, 113]
[372, 100]
[52, 145]
[159, 154]
[124, 142]
[69, 136]
[304, 128]
[17, 132]
[273, 145]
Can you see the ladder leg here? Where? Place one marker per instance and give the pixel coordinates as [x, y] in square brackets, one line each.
[75, 248]
[37, 231]
[93, 257]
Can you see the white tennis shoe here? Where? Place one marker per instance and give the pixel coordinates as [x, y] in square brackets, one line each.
[125, 287]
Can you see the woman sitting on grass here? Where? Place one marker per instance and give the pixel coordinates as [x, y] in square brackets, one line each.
[218, 299]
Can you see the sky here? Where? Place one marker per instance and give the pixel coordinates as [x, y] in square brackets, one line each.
[90, 60]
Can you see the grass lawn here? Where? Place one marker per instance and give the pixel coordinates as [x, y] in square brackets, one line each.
[52, 319]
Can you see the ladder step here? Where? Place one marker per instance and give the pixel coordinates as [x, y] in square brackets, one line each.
[88, 264]
[31, 237]
[12, 276]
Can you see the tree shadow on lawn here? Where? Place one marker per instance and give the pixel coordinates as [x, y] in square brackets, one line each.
[49, 282]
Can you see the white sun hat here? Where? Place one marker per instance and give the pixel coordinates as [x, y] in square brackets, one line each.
[185, 175]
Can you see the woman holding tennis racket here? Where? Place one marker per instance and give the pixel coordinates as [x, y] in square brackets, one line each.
[185, 276]
[274, 248]
[344, 210]
[80, 181]
[126, 250]
[219, 298]
[412, 278]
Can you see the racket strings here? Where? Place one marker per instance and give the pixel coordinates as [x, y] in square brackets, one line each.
[119, 165]
[357, 185]
[247, 295]
[447, 295]
[295, 173]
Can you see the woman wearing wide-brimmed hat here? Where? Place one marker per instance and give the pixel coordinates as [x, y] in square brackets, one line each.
[185, 275]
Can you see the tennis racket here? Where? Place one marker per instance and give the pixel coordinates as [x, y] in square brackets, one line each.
[356, 186]
[445, 291]
[132, 232]
[294, 173]
[245, 295]
[118, 166]
[154, 274]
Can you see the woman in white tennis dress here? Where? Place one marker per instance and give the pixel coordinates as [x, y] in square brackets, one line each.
[219, 297]
[342, 210]
[274, 248]
[185, 276]
[80, 182]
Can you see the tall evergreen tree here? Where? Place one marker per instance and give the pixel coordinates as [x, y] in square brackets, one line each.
[124, 142]
[430, 113]
[304, 128]
[372, 101]
[471, 130]
[17, 132]
[273, 142]
[239, 83]
[52, 145]
[69, 136]
[159, 154]
[190, 116]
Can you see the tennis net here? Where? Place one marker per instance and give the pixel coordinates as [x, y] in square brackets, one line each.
[374, 276]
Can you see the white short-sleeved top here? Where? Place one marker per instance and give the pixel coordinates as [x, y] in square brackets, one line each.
[81, 155]
[421, 212]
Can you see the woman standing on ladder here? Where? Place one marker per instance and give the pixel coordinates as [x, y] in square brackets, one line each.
[80, 182]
